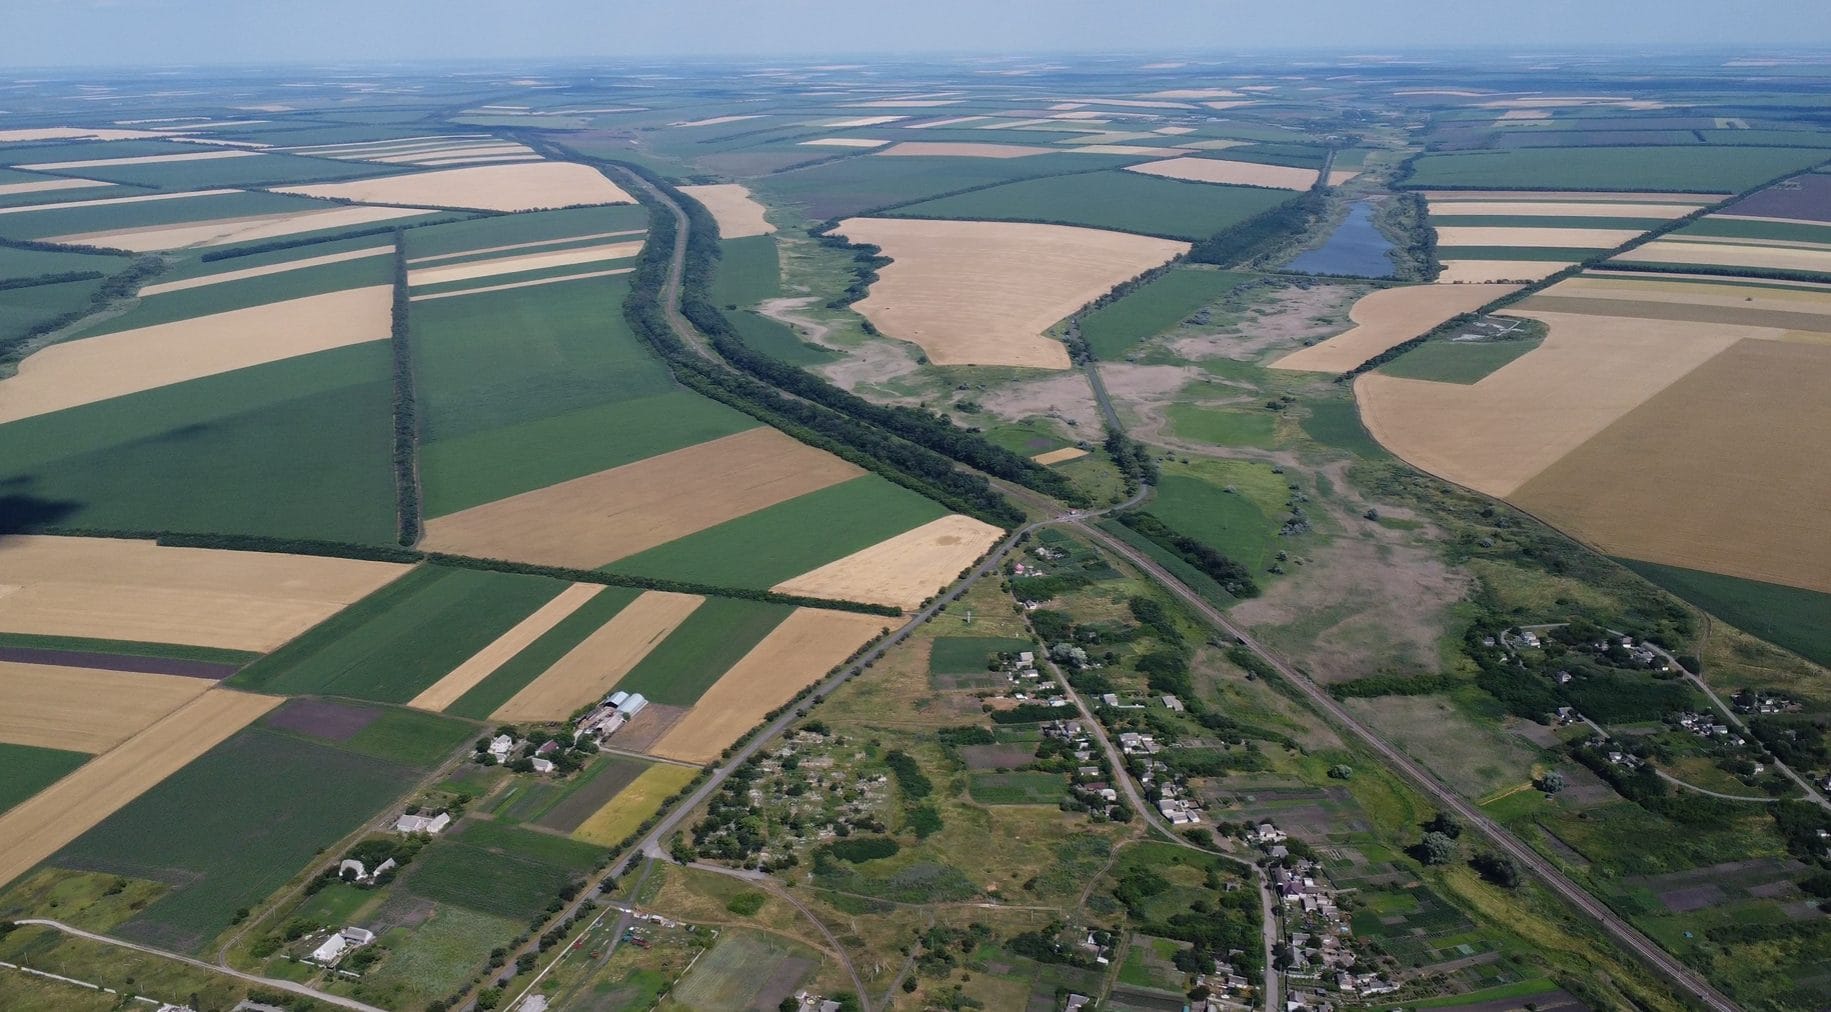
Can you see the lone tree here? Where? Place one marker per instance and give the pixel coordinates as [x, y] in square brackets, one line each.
[1446, 824]
[1552, 782]
[1496, 868]
[1437, 848]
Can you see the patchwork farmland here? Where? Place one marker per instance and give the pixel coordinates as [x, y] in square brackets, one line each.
[653, 536]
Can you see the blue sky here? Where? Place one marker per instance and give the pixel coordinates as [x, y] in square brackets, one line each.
[166, 32]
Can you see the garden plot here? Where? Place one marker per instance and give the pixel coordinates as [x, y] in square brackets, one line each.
[799, 652]
[1390, 317]
[98, 368]
[983, 293]
[597, 519]
[102, 588]
[737, 213]
[519, 187]
[904, 570]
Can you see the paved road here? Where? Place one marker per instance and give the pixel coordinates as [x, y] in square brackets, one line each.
[1449, 800]
[278, 985]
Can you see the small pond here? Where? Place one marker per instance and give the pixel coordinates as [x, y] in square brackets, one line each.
[1356, 247]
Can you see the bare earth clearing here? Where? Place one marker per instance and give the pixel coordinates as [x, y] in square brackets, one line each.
[901, 571]
[85, 709]
[43, 824]
[98, 368]
[1389, 317]
[793, 656]
[982, 293]
[106, 588]
[591, 669]
[520, 187]
[600, 518]
[484, 663]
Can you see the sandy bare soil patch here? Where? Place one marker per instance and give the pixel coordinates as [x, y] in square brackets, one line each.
[1672, 251]
[1482, 272]
[1576, 238]
[473, 269]
[187, 156]
[1217, 170]
[950, 121]
[1174, 131]
[261, 272]
[1195, 93]
[797, 653]
[1062, 455]
[1513, 115]
[104, 588]
[1708, 474]
[1065, 397]
[85, 709]
[715, 121]
[863, 121]
[1124, 149]
[962, 149]
[1224, 106]
[600, 518]
[737, 213]
[906, 103]
[904, 570]
[532, 283]
[47, 185]
[43, 824]
[1339, 176]
[844, 142]
[484, 663]
[982, 293]
[1496, 434]
[1569, 197]
[228, 230]
[73, 134]
[109, 201]
[1213, 145]
[520, 187]
[538, 243]
[112, 365]
[1389, 317]
[1559, 209]
[591, 669]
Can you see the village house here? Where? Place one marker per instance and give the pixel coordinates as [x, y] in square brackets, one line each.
[501, 746]
[352, 870]
[336, 946]
[432, 824]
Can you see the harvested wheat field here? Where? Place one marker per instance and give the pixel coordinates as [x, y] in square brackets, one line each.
[1749, 301]
[536, 244]
[473, 269]
[48, 185]
[113, 589]
[599, 662]
[600, 518]
[110, 201]
[962, 149]
[73, 134]
[1484, 272]
[525, 186]
[1707, 474]
[85, 709]
[1060, 456]
[1496, 434]
[1672, 251]
[1696, 200]
[1193, 93]
[97, 163]
[1553, 238]
[43, 824]
[903, 571]
[1123, 149]
[1389, 317]
[844, 142]
[260, 272]
[229, 230]
[983, 292]
[1216, 170]
[484, 663]
[737, 213]
[1559, 209]
[862, 121]
[715, 121]
[531, 283]
[97, 368]
[799, 652]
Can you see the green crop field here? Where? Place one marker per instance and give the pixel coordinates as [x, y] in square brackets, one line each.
[250, 170]
[1172, 297]
[737, 968]
[1457, 361]
[197, 267]
[232, 826]
[409, 737]
[777, 340]
[299, 448]
[25, 770]
[1337, 423]
[1440, 218]
[1748, 228]
[1224, 427]
[429, 961]
[761, 549]
[21, 309]
[718, 633]
[107, 217]
[38, 153]
[513, 877]
[543, 653]
[1679, 169]
[1243, 525]
[1126, 201]
[177, 651]
[853, 185]
[1020, 788]
[402, 638]
[1788, 616]
[545, 848]
[535, 226]
[100, 191]
[748, 271]
[226, 296]
[545, 451]
[31, 263]
[1537, 254]
[965, 655]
